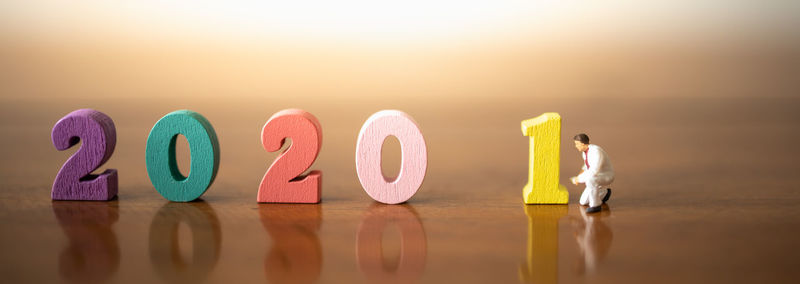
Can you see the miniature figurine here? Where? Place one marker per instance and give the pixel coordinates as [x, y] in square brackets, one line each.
[597, 173]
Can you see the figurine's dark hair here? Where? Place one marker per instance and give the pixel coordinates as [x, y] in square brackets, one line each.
[582, 137]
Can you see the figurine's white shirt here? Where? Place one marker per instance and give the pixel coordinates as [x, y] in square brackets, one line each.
[599, 165]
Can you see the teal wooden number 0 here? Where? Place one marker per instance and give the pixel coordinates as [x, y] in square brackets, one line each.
[162, 168]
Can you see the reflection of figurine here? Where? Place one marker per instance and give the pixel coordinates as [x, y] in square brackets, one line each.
[594, 239]
[597, 173]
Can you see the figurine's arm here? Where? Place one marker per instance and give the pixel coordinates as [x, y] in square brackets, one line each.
[574, 179]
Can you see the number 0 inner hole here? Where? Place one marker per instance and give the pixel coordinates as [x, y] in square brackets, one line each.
[180, 157]
[391, 158]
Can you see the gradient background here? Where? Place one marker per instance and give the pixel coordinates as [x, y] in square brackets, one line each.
[470, 70]
[695, 101]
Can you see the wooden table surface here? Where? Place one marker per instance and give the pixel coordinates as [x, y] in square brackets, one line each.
[706, 191]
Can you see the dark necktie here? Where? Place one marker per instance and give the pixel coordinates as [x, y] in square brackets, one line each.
[586, 158]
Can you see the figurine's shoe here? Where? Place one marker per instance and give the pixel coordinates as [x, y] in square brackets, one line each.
[608, 195]
[593, 209]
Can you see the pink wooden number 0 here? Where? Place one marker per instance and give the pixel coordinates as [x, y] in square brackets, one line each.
[282, 183]
[368, 156]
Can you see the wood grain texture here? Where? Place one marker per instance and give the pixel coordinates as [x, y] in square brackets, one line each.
[162, 167]
[543, 167]
[74, 180]
[414, 157]
[282, 182]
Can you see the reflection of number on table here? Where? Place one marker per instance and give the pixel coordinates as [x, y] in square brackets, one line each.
[281, 183]
[165, 254]
[542, 264]
[296, 253]
[74, 181]
[413, 249]
[92, 255]
[545, 141]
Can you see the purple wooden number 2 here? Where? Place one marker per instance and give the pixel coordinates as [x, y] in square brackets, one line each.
[75, 180]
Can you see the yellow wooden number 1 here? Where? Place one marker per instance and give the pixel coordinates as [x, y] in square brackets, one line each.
[545, 134]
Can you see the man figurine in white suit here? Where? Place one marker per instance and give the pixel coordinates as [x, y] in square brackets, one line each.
[597, 173]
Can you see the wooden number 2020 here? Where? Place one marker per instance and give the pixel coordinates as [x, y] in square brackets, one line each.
[282, 183]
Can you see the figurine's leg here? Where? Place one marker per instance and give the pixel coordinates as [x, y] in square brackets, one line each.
[585, 196]
[595, 192]
[603, 183]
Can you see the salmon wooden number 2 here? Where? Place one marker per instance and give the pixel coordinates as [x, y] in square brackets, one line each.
[282, 183]
[414, 161]
[545, 136]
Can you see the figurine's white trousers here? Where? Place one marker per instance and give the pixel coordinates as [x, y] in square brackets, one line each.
[596, 188]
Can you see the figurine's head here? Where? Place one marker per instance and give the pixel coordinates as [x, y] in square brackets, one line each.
[581, 142]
